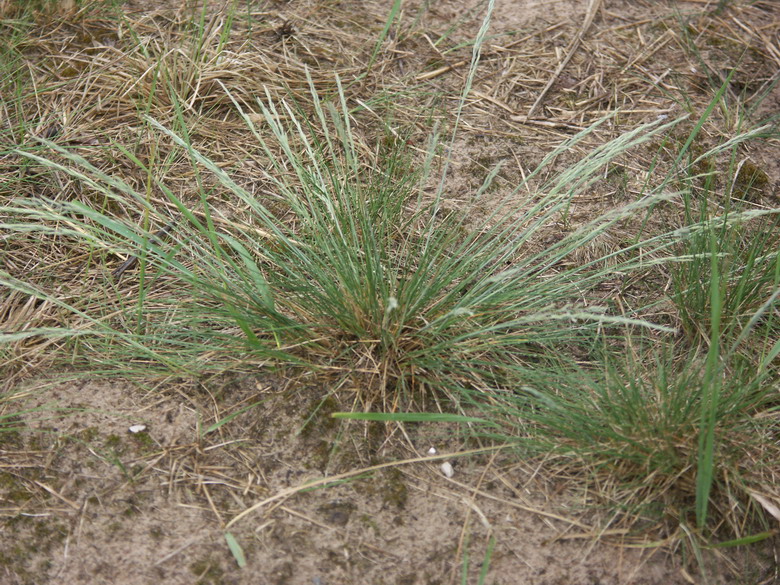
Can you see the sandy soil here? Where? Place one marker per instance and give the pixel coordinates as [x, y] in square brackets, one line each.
[124, 508]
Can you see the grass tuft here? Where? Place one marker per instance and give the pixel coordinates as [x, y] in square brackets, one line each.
[348, 266]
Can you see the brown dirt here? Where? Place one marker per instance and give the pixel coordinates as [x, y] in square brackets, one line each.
[98, 504]
[84, 501]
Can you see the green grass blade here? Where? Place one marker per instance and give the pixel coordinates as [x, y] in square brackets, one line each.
[235, 550]
[712, 375]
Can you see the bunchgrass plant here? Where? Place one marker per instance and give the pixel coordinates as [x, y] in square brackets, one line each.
[681, 435]
[667, 432]
[349, 266]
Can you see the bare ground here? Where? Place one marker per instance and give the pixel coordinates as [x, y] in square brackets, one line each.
[95, 503]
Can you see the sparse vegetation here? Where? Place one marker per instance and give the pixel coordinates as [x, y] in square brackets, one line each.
[610, 312]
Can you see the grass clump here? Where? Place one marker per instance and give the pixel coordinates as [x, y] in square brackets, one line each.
[350, 265]
[637, 427]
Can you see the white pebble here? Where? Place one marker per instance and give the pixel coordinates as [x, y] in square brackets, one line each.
[447, 469]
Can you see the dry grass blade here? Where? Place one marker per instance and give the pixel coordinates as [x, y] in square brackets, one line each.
[287, 493]
[590, 14]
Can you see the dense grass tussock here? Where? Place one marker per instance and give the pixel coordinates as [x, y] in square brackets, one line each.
[349, 264]
[637, 426]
